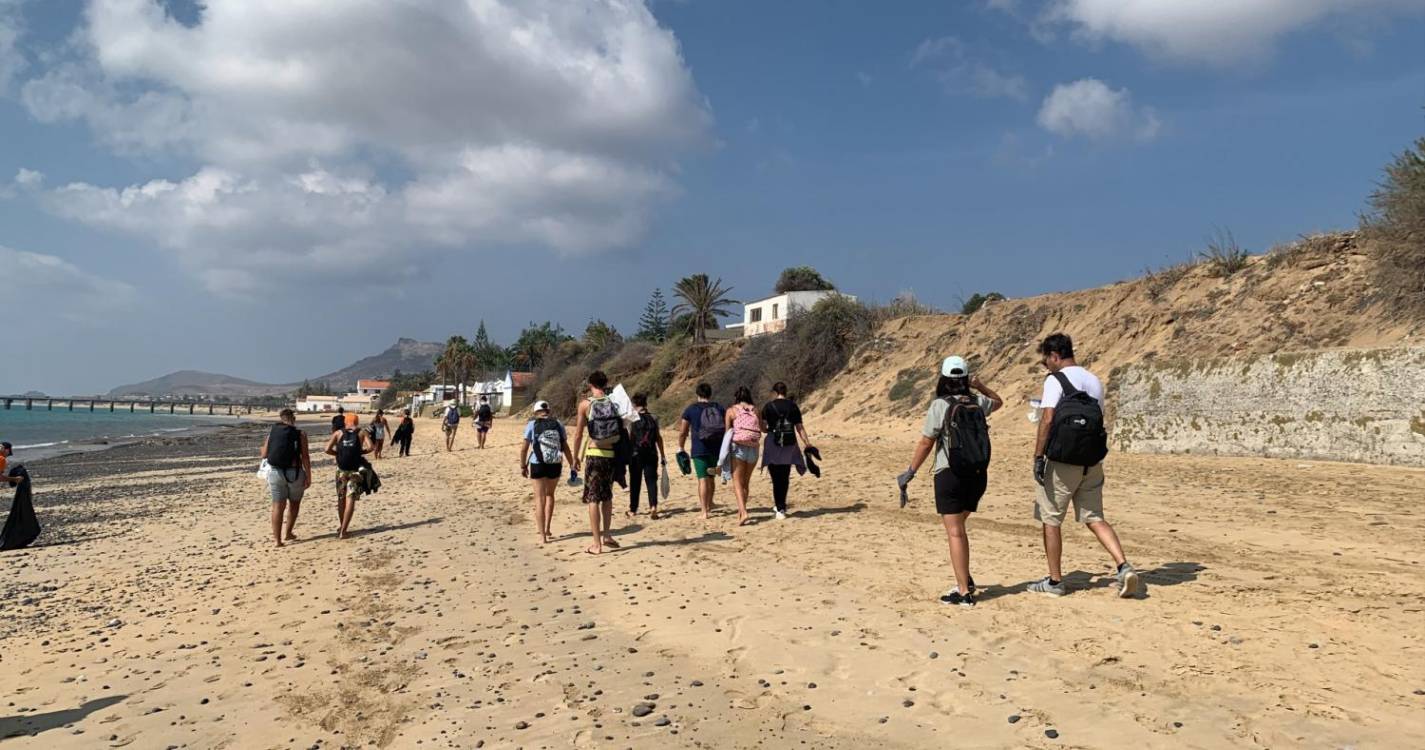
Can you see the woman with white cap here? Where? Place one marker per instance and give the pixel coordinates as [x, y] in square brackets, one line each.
[545, 442]
[956, 431]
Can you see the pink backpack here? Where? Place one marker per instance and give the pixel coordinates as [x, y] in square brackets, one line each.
[746, 427]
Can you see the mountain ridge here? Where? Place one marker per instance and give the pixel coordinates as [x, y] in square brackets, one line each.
[407, 355]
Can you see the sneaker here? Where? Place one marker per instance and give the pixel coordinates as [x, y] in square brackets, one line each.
[781, 515]
[1130, 584]
[1043, 586]
[955, 597]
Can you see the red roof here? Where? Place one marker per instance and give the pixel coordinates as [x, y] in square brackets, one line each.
[367, 384]
[521, 379]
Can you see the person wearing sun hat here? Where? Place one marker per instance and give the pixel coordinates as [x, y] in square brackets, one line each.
[955, 430]
[545, 443]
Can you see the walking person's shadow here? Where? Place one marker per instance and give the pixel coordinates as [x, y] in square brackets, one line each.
[1167, 574]
[32, 724]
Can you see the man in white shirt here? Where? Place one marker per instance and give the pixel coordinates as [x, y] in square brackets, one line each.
[1062, 483]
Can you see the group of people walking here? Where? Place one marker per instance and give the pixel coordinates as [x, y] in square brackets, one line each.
[287, 463]
[1069, 449]
[629, 450]
[624, 445]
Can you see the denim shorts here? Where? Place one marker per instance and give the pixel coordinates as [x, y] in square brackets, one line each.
[285, 484]
[745, 453]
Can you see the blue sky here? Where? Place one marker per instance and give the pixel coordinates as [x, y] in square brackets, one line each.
[272, 191]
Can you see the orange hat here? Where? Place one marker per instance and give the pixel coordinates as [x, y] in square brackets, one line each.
[351, 420]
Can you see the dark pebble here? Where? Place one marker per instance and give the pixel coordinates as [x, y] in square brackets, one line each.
[522, 725]
[935, 654]
[1052, 734]
[662, 722]
[697, 683]
[643, 709]
[1014, 718]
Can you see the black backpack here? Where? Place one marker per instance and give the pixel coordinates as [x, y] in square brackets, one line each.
[348, 450]
[284, 447]
[965, 436]
[644, 434]
[711, 423]
[548, 441]
[1076, 436]
[783, 432]
[485, 413]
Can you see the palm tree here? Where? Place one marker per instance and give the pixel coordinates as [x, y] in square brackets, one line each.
[704, 301]
[455, 363]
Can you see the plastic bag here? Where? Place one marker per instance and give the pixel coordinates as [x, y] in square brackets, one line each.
[264, 471]
[665, 487]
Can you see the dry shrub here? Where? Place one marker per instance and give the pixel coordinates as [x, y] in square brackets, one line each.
[1396, 224]
[904, 305]
[1223, 255]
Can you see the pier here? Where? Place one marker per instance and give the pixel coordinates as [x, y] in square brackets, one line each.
[49, 403]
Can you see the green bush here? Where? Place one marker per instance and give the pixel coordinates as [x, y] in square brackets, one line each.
[975, 302]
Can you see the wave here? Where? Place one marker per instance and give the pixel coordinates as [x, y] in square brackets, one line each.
[42, 445]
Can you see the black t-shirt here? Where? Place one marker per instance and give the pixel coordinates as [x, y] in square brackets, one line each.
[777, 409]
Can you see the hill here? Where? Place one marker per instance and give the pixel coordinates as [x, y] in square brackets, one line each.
[195, 383]
[406, 355]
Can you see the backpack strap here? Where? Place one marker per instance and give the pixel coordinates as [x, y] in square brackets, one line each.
[1064, 383]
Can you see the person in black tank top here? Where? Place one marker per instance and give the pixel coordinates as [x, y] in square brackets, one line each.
[285, 451]
[349, 447]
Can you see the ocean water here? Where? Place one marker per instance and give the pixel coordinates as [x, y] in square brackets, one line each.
[39, 432]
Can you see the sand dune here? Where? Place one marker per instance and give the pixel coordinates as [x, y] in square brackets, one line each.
[1285, 608]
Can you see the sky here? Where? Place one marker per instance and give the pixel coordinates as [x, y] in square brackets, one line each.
[273, 189]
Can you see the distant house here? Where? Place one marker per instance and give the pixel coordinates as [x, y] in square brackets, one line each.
[318, 403]
[507, 395]
[770, 315]
[371, 387]
[357, 402]
[433, 395]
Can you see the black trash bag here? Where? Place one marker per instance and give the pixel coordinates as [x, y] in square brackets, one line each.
[21, 526]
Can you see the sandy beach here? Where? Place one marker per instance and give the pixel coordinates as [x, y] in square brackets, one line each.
[1285, 608]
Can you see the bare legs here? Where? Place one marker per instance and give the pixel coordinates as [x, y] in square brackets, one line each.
[544, 506]
[1054, 546]
[345, 509]
[376, 446]
[600, 516]
[707, 487]
[278, 507]
[959, 548]
[741, 481]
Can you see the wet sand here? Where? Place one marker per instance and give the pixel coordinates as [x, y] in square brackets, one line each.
[1285, 608]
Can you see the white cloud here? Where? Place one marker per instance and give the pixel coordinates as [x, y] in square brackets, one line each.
[1090, 108]
[46, 286]
[29, 178]
[12, 62]
[984, 81]
[934, 49]
[1220, 32]
[332, 137]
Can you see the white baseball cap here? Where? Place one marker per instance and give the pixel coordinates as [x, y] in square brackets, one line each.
[541, 406]
[954, 367]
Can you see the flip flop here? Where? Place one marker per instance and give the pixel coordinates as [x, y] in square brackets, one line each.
[590, 551]
[611, 544]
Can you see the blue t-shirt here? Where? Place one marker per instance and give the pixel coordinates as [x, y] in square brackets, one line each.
[694, 415]
[529, 435]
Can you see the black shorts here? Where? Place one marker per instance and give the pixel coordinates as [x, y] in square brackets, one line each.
[954, 494]
[546, 471]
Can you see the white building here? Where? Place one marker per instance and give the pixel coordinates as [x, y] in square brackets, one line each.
[371, 387]
[318, 403]
[506, 395]
[770, 315]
